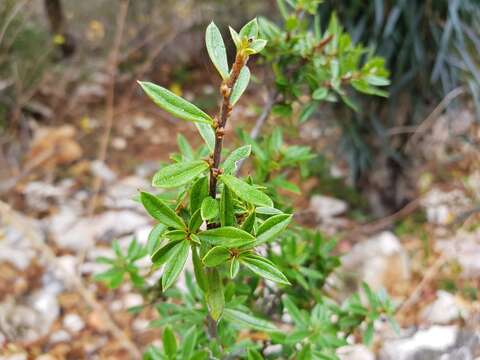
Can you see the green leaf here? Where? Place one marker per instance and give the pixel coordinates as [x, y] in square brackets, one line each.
[216, 49]
[250, 29]
[272, 227]
[264, 268]
[198, 269]
[189, 342]
[267, 211]
[235, 36]
[174, 104]
[245, 191]
[368, 334]
[209, 208]
[112, 277]
[195, 222]
[240, 85]
[155, 237]
[178, 174]
[185, 148]
[235, 156]
[257, 45]
[216, 256]
[161, 211]
[234, 267]
[320, 94]
[249, 321]
[175, 264]
[207, 134]
[214, 296]
[294, 312]
[377, 80]
[176, 234]
[227, 214]
[227, 236]
[249, 222]
[162, 255]
[169, 342]
[198, 192]
[254, 355]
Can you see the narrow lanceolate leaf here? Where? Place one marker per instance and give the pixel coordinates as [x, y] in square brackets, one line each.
[216, 49]
[249, 222]
[207, 134]
[198, 192]
[174, 104]
[227, 212]
[227, 236]
[209, 208]
[175, 264]
[189, 342]
[245, 191]
[178, 174]
[246, 320]
[272, 227]
[169, 342]
[216, 256]
[240, 85]
[161, 211]
[234, 267]
[195, 222]
[236, 155]
[155, 237]
[162, 255]
[264, 268]
[294, 312]
[176, 234]
[199, 270]
[215, 297]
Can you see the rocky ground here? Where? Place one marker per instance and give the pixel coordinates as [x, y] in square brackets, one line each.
[427, 258]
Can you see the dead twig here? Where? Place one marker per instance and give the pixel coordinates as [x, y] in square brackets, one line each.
[110, 101]
[430, 273]
[430, 119]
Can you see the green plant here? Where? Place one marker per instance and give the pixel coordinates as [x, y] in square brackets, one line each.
[245, 258]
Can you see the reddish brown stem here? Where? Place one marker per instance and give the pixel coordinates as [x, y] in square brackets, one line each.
[221, 119]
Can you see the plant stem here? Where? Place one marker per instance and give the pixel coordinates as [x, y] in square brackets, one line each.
[221, 119]
[219, 126]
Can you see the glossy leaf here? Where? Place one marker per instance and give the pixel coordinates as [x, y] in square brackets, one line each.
[162, 255]
[245, 191]
[240, 85]
[209, 208]
[174, 104]
[195, 222]
[235, 36]
[175, 264]
[228, 236]
[207, 134]
[264, 268]
[227, 215]
[198, 192]
[198, 269]
[249, 321]
[178, 174]
[234, 267]
[161, 211]
[272, 227]
[155, 238]
[215, 297]
[249, 222]
[216, 256]
[216, 49]
[236, 155]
